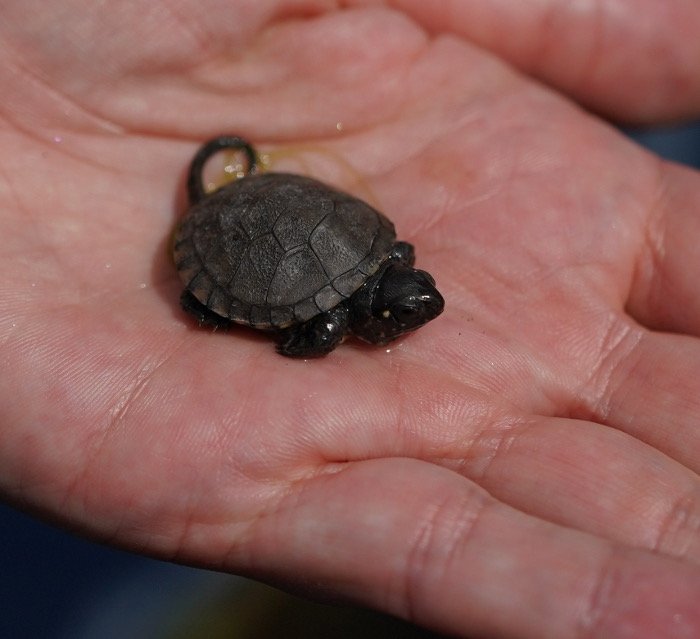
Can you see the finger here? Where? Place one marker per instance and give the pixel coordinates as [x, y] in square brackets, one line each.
[649, 387]
[592, 478]
[579, 474]
[636, 61]
[665, 293]
[423, 543]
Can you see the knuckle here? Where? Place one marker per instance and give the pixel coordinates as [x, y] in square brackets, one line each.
[444, 530]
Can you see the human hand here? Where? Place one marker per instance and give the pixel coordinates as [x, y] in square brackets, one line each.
[524, 466]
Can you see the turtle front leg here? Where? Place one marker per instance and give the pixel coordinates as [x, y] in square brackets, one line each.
[317, 337]
[403, 252]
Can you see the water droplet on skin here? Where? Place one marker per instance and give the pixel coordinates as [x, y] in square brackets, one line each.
[264, 160]
[339, 126]
[108, 265]
[235, 171]
[57, 139]
[142, 285]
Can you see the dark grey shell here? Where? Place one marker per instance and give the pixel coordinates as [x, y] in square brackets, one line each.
[276, 249]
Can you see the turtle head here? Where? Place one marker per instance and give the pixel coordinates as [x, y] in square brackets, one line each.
[403, 299]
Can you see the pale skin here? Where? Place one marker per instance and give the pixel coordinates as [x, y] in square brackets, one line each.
[526, 465]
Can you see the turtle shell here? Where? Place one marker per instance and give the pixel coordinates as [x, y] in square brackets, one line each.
[276, 249]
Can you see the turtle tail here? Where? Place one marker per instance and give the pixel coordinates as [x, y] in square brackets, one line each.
[195, 185]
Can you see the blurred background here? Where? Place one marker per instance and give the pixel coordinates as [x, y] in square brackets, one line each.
[54, 585]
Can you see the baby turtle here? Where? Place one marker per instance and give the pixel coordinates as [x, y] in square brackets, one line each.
[287, 254]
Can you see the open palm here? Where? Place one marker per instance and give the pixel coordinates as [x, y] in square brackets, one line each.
[524, 466]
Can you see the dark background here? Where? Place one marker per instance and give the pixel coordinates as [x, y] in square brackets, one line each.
[56, 586]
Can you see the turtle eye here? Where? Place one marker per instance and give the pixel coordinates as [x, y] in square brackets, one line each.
[405, 312]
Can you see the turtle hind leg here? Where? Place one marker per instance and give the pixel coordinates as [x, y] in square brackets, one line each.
[205, 316]
[317, 337]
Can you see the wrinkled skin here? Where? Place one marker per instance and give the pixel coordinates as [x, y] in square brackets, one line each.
[524, 466]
